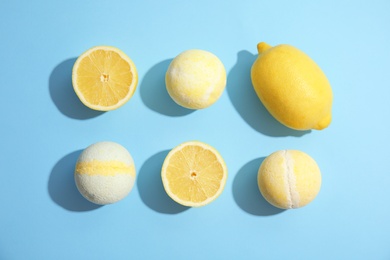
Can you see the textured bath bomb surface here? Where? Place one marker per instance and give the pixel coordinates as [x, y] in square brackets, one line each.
[105, 173]
[195, 79]
[289, 179]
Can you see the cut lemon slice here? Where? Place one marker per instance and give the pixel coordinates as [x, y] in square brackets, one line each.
[104, 78]
[194, 174]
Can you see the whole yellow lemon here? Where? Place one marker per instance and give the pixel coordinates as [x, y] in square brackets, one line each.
[195, 79]
[105, 173]
[292, 87]
[289, 179]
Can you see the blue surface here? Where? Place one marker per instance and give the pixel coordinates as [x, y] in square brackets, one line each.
[44, 127]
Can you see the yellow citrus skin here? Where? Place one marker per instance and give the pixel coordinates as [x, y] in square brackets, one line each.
[195, 79]
[292, 87]
[104, 78]
[289, 179]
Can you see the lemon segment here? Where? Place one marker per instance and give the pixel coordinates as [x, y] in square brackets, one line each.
[194, 174]
[104, 78]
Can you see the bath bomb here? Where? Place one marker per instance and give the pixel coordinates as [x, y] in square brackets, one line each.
[195, 79]
[289, 179]
[105, 173]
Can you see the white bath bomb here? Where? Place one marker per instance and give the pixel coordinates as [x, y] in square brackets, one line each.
[195, 79]
[105, 173]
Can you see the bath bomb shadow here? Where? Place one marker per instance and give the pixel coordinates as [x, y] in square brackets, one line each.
[62, 187]
[155, 95]
[246, 192]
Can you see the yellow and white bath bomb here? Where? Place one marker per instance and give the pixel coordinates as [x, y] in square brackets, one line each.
[195, 79]
[289, 179]
[105, 173]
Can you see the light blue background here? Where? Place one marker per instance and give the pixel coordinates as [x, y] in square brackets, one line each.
[44, 127]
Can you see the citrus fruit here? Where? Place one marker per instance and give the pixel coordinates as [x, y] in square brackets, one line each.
[195, 79]
[289, 179]
[292, 87]
[105, 173]
[194, 174]
[104, 78]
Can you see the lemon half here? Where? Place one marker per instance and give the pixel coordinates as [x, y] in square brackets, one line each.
[104, 78]
[194, 174]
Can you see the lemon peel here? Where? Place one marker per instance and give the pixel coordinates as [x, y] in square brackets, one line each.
[292, 87]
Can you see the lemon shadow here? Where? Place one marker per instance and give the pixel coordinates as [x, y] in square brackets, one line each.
[63, 95]
[151, 189]
[246, 192]
[248, 105]
[155, 95]
[62, 187]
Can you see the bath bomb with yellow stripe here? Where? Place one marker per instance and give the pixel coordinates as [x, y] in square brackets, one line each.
[289, 179]
[105, 173]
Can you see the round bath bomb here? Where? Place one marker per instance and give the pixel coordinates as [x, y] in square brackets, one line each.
[289, 179]
[105, 173]
[195, 79]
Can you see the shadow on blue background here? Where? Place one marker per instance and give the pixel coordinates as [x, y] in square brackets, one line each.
[63, 95]
[154, 93]
[246, 102]
[62, 187]
[246, 192]
[151, 189]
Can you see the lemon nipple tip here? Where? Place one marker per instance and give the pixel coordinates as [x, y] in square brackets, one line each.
[262, 47]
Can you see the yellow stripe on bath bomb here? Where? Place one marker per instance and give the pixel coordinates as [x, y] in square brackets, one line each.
[104, 168]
